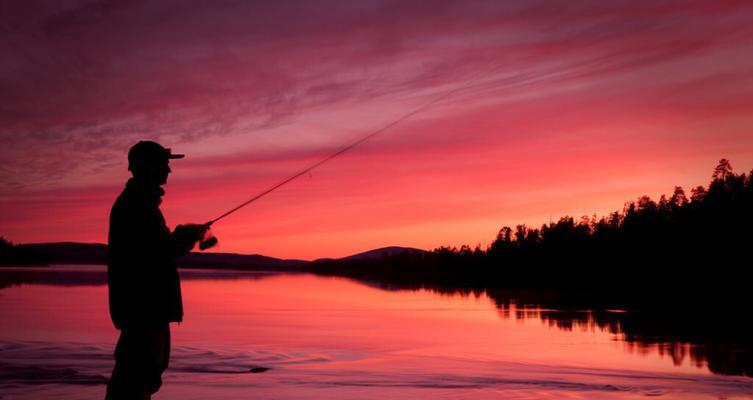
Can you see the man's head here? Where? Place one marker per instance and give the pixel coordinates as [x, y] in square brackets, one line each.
[149, 161]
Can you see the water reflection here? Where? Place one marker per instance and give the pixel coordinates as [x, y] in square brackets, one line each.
[88, 275]
[711, 335]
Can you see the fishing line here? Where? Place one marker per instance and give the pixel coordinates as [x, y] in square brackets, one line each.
[350, 146]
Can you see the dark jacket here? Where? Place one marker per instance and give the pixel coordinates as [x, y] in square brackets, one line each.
[143, 281]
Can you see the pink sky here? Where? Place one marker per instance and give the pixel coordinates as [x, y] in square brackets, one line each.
[565, 108]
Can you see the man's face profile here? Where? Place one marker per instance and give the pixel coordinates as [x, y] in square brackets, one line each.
[153, 172]
[163, 170]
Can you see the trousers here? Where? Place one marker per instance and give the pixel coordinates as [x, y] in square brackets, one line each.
[141, 356]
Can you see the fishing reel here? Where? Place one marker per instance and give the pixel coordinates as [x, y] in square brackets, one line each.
[189, 232]
[208, 240]
[207, 243]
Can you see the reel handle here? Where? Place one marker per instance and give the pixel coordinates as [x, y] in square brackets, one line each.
[207, 243]
[209, 239]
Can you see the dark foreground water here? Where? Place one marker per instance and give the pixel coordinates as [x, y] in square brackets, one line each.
[333, 338]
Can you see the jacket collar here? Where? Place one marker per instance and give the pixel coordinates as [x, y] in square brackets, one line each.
[148, 192]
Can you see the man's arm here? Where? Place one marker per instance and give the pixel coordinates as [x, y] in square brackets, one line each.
[155, 237]
[184, 237]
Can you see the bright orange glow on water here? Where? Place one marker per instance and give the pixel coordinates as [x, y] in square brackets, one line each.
[335, 338]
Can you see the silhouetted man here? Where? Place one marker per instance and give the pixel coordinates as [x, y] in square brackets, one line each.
[144, 288]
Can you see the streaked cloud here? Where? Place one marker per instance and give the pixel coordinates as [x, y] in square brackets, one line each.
[253, 91]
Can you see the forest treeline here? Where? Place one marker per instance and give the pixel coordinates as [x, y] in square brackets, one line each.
[678, 242]
[11, 253]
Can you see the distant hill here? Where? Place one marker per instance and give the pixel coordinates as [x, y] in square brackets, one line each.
[382, 252]
[96, 253]
[236, 261]
[63, 253]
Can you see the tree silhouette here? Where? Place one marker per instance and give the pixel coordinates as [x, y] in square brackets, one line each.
[722, 170]
[678, 198]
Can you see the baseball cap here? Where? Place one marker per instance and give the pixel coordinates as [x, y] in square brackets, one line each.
[147, 151]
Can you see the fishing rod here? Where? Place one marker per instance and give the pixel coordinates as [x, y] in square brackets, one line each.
[211, 241]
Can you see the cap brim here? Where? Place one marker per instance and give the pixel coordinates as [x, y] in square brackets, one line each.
[171, 156]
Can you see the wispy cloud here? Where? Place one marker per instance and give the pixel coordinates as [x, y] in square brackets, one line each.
[269, 86]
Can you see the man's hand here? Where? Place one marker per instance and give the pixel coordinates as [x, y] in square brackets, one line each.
[189, 234]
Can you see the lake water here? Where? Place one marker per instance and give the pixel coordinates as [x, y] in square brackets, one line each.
[334, 338]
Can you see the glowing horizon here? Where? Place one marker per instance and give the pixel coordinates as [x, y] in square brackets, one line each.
[571, 110]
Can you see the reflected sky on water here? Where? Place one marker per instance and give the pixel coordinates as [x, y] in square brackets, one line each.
[328, 337]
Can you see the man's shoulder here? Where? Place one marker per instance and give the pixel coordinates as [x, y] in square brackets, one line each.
[124, 201]
[131, 203]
